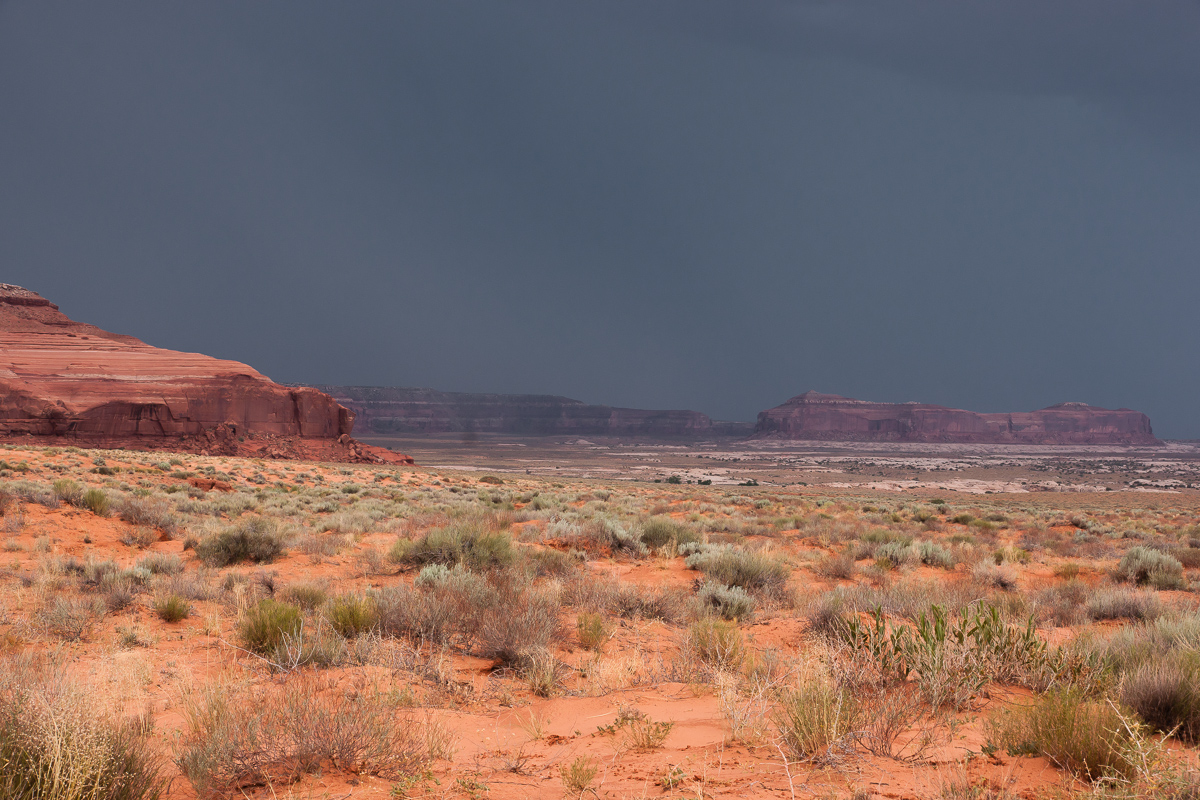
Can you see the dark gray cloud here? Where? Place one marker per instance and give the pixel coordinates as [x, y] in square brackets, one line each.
[671, 204]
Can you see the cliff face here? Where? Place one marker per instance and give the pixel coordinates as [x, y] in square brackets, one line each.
[396, 410]
[63, 379]
[830, 417]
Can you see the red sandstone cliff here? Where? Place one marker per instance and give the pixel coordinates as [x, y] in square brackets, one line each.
[61, 379]
[830, 417]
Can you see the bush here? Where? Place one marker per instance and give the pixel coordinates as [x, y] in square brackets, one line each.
[161, 563]
[351, 615]
[521, 624]
[308, 596]
[68, 491]
[1087, 737]
[752, 572]
[716, 643]
[934, 555]
[172, 608]
[1165, 692]
[728, 602]
[592, 630]
[256, 539]
[264, 627]
[96, 501]
[236, 739]
[659, 531]
[1124, 604]
[56, 745]
[815, 720]
[461, 543]
[150, 513]
[1143, 565]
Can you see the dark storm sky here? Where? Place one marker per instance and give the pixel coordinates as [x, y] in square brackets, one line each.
[989, 205]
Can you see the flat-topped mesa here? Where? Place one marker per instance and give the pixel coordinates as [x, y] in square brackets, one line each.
[831, 417]
[393, 410]
[66, 380]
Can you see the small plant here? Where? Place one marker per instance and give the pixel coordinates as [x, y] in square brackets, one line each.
[729, 602]
[264, 626]
[646, 734]
[351, 615]
[96, 501]
[592, 631]
[660, 531]
[172, 608]
[717, 643]
[577, 776]
[815, 720]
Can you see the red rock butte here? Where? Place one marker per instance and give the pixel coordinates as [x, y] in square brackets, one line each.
[830, 417]
[67, 381]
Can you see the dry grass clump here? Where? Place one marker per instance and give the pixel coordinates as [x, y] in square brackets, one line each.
[660, 531]
[716, 643]
[151, 513]
[257, 539]
[1114, 603]
[592, 631]
[235, 739]
[265, 626]
[1165, 692]
[817, 720]
[71, 618]
[1091, 738]
[56, 745]
[727, 602]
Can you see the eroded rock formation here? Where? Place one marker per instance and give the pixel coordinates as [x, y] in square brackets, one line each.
[834, 418]
[66, 380]
[390, 410]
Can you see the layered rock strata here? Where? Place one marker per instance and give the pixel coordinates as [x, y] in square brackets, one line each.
[834, 418]
[63, 380]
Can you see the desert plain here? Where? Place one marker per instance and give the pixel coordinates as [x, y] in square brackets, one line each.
[584, 618]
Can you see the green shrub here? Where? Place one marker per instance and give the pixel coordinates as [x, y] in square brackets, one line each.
[752, 572]
[256, 539]
[1143, 565]
[172, 608]
[934, 555]
[728, 602]
[592, 630]
[68, 491]
[464, 543]
[308, 596]
[1087, 737]
[351, 615]
[96, 501]
[660, 531]
[264, 626]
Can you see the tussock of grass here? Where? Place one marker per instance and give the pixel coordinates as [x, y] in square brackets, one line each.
[463, 543]
[257, 539]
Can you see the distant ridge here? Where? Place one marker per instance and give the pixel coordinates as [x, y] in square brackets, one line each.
[831, 417]
[396, 410]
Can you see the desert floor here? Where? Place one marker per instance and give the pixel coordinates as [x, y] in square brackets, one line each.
[548, 619]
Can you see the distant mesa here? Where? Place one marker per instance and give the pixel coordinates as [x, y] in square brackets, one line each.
[830, 417]
[63, 381]
[394, 410]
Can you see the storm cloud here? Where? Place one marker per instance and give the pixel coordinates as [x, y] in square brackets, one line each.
[990, 205]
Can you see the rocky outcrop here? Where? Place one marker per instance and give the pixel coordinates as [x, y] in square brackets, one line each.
[830, 417]
[389, 410]
[66, 380]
